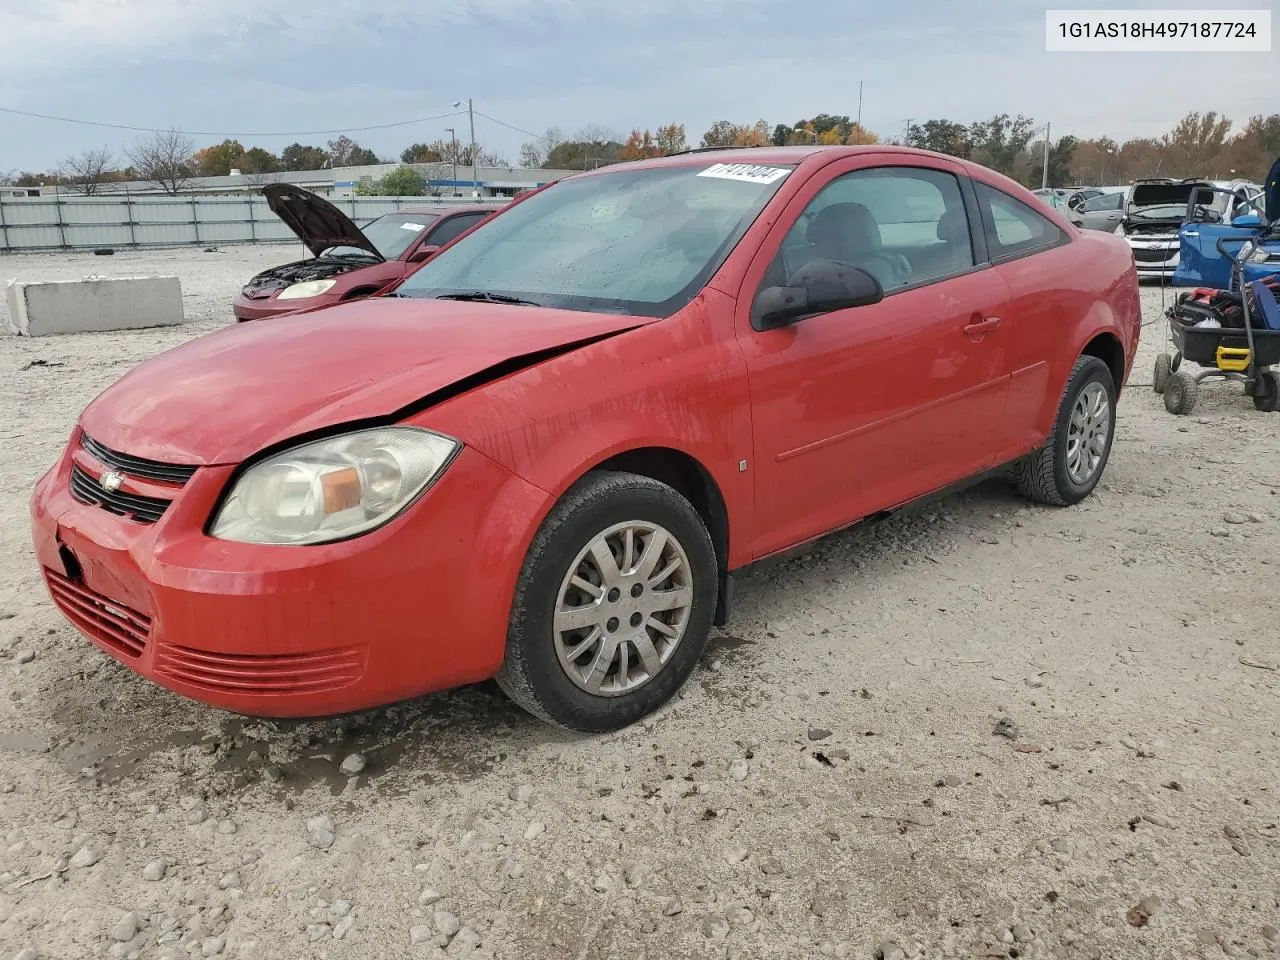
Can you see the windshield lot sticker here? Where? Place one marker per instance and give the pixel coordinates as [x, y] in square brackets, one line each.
[747, 172]
[415, 227]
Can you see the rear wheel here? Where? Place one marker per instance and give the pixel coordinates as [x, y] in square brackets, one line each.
[1181, 393]
[613, 606]
[1164, 368]
[1266, 395]
[1067, 468]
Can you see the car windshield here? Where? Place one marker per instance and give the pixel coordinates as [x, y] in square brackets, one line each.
[1161, 211]
[391, 234]
[636, 241]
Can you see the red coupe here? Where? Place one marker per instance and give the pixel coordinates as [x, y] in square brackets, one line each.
[347, 263]
[542, 456]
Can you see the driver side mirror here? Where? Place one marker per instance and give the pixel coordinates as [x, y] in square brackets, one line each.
[819, 287]
[424, 253]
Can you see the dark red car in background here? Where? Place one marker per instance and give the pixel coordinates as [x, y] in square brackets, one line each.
[348, 263]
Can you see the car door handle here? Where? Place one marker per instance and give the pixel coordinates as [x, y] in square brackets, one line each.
[1191, 233]
[977, 327]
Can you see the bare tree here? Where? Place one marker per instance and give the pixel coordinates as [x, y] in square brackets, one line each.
[86, 172]
[164, 159]
[6, 177]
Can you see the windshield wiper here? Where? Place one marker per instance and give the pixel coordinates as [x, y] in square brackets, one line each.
[482, 296]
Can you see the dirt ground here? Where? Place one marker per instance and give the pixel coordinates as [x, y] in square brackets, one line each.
[828, 784]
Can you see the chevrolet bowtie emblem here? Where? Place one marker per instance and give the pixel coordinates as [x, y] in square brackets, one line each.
[111, 480]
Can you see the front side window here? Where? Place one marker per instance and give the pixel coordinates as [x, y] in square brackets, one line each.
[455, 226]
[641, 242]
[903, 225]
[1012, 227]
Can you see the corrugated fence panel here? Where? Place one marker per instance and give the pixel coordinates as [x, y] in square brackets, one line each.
[81, 223]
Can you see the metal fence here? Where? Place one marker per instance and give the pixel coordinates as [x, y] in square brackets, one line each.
[35, 224]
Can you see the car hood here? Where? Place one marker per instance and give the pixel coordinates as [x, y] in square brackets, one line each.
[1161, 194]
[317, 222]
[226, 396]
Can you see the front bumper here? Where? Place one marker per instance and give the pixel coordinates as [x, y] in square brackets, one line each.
[263, 308]
[1155, 258]
[416, 606]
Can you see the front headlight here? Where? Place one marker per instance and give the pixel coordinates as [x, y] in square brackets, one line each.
[309, 288]
[333, 489]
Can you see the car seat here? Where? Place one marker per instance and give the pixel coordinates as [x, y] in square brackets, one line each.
[848, 233]
[953, 231]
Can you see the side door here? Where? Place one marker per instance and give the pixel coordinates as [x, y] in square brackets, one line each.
[1032, 255]
[862, 409]
[1103, 213]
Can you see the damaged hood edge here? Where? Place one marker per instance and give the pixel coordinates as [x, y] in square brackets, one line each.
[315, 221]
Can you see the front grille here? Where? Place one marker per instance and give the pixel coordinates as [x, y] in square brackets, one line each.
[111, 624]
[137, 466]
[252, 673]
[88, 490]
[1153, 256]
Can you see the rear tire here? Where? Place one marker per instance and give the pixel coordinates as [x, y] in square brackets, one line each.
[1164, 369]
[1067, 468]
[581, 580]
[1267, 397]
[1181, 393]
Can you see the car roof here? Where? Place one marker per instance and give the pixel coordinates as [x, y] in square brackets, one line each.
[768, 155]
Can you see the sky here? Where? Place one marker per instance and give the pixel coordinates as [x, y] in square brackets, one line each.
[249, 68]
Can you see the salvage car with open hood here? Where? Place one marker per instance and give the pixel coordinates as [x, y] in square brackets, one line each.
[542, 456]
[1155, 211]
[347, 262]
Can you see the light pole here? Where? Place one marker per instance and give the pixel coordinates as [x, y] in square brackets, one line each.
[1044, 173]
[906, 133]
[453, 140]
[475, 176]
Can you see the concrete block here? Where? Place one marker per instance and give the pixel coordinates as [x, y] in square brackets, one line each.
[94, 304]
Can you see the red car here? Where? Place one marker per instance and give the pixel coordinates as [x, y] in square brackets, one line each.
[542, 457]
[348, 263]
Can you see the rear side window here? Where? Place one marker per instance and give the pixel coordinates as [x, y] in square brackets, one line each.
[454, 226]
[1013, 228]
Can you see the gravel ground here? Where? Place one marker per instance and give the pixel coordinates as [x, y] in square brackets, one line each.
[978, 730]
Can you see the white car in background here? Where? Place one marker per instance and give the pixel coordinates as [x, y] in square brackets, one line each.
[1155, 210]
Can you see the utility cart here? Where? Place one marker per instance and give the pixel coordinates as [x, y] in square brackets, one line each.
[1230, 334]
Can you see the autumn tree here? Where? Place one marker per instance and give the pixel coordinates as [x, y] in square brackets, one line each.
[670, 139]
[299, 157]
[725, 133]
[165, 159]
[941, 136]
[86, 172]
[590, 147]
[1192, 146]
[345, 152]
[639, 146]
[257, 160]
[1251, 152]
[420, 153]
[859, 136]
[219, 159]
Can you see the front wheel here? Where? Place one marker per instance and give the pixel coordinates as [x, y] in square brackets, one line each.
[1067, 468]
[1164, 369]
[1181, 393]
[1267, 393]
[613, 607]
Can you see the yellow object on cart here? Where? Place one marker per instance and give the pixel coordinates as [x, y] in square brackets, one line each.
[1233, 359]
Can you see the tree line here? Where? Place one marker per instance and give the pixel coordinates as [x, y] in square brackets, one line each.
[1198, 145]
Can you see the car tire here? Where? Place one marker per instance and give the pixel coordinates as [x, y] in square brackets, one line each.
[1164, 369]
[1267, 397]
[1067, 468]
[540, 672]
[1181, 393]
